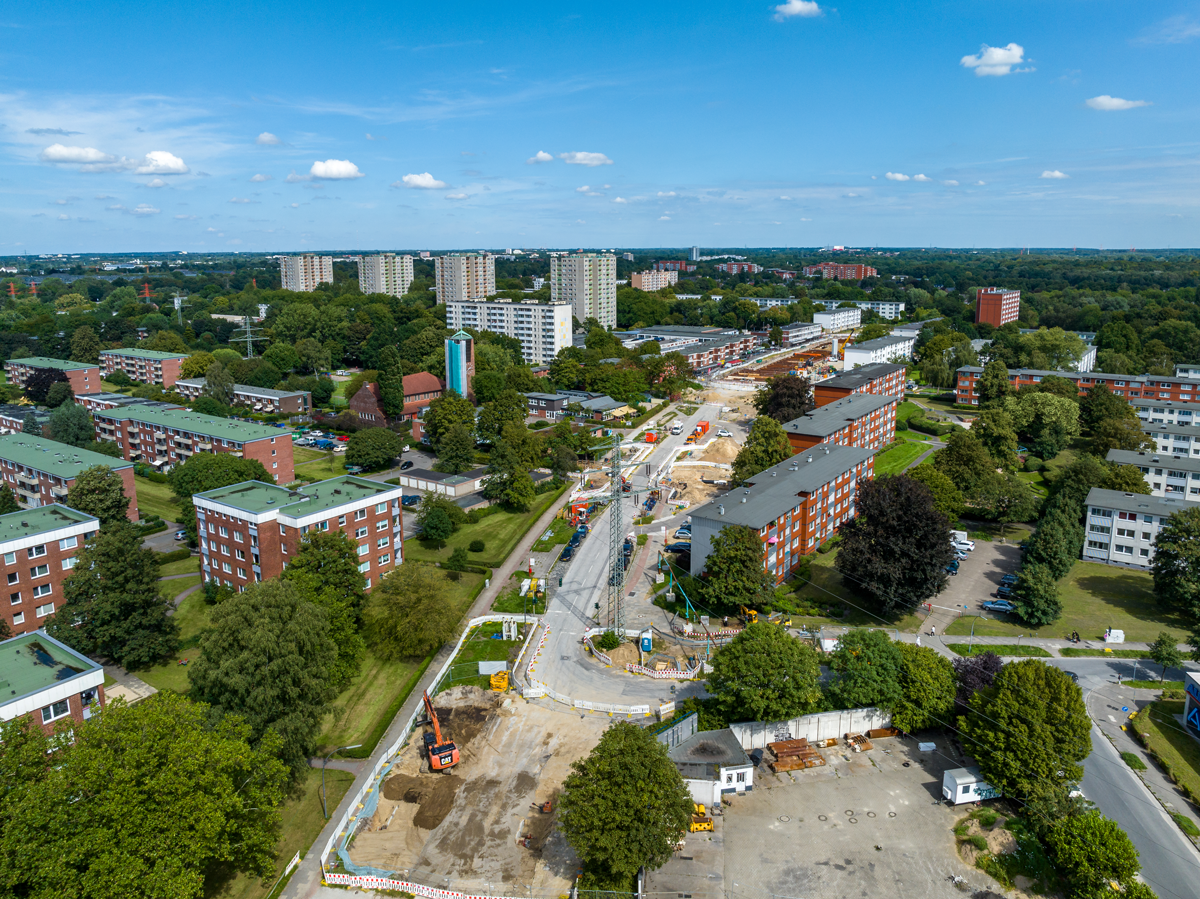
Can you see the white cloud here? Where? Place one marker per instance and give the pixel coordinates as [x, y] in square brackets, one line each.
[620, 200]
[260, 178]
[156, 162]
[424, 181]
[996, 60]
[785, 198]
[664, 218]
[666, 193]
[1106, 103]
[144, 209]
[921, 178]
[335, 170]
[371, 136]
[267, 139]
[950, 183]
[457, 196]
[116, 207]
[584, 158]
[187, 218]
[582, 190]
[82, 155]
[293, 178]
[156, 182]
[980, 183]
[1174, 30]
[1055, 175]
[896, 176]
[792, 9]
[806, 220]
[64, 218]
[539, 156]
[240, 200]
[160, 162]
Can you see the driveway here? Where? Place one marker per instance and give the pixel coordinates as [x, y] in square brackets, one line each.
[976, 582]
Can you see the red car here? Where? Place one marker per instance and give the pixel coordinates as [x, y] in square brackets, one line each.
[343, 439]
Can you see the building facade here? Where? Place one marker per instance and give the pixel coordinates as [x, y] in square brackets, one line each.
[882, 349]
[794, 334]
[249, 531]
[39, 548]
[260, 399]
[840, 272]
[460, 364]
[550, 406]
[147, 366]
[48, 681]
[653, 280]
[672, 265]
[464, 277]
[306, 272]
[1166, 412]
[838, 319]
[996, 306]
[588, 281]
[542, 328]
[1167, 476]
[1146, 387]
[1122, 527]
[40, 472]
[880, 379]
[738, 268]
[862, 419]
[82, 376]
[889, 309]
[1175, 440]
[13, 415]
[385, 273]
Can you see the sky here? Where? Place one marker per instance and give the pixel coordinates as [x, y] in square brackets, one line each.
[270, 126]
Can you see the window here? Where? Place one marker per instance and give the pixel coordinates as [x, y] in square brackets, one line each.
[226, 568]
[1126, 532]
[68, 543]
[14, 598]
[39, 571]
[212, 528]
[365, 566]
[282, 532]
[241, 572]
[237, 537]
[1097, 544]
[364, 549]
[341, 520]
[68, 563]
[241, 555]
[13, 577]
[1100, 529]
[380, 508]
[741, 777]
[10, 558]
[224, 550]
[224, 531]
[1123, 550]
[43, 611]
[361, 532]
[35, 551]
[42, 590]
[966, 790]
[1145, 553]
[360, 514]
[19, 618]
[322, 525]
[1102, 513]
[382, 542]
[57, 710]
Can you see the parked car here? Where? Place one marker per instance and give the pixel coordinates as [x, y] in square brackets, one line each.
[1008, 580]
[964, 545]
[181, 535]
[581, 531]
[340, 448]
[999, 605]
[684, 533]
[567, 552]
[953, 565]
[343, 439]
[952, 570]
[410, 500]
[406, 465]
[1003, 592]
[960, 557]
[678, 547]
[723, 433]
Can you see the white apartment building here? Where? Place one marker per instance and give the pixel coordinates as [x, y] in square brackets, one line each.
[1168, 477]
[883, 349]
[305, 272]
[385, 273]
[462, 277]
[588, 281]
[889, 309]
[542, 328]
[838, 319]
[1166, 412]
[1122, 527]
[1187, 371]
[651, 280]
[1175, 440]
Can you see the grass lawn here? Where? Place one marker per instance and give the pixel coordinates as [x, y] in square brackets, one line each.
[483, 645]
[907, 410]
[190, 565]
[898, 458]
[329, 465]
[1094, 596]
[1055, 466]
[1035, 480]
[192, 617]
[1072, 652]
[513, 603]
[1000, 649]
[500, 532]
[1160, 732]
[559, 532]
[826, 588]
[1154, 685]
[302, 454]
[156, 499]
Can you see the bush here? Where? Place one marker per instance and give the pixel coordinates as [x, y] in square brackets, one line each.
[926, 426]
[477, 546]
[457, 561]
[1033, 463]
[902, 425]
[477, 515]
[175, 555]
[608, 640]
[455, 576]
[215, 593]
[830, 544]
[1133, 761]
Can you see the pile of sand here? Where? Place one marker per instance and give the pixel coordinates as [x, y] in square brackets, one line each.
[723, 449]
[697, 493]
[625, 654]
[465, 696]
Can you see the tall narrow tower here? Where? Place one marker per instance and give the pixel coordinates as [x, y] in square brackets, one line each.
[460, 364]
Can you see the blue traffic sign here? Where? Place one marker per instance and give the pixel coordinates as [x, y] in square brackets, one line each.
[1124, 708]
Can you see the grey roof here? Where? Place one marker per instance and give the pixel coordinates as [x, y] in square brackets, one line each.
[775, 491]
[1089, 377]
[880, 343]
[1147, 402]
[1146, 458]
[702, 754]
[852, 380]
[247, 389]
[832, 417]
[601, 404]
[17, 411]
[547, 396]
[677, 331]
[1135, 502]
[428, 474]
[1156, 428]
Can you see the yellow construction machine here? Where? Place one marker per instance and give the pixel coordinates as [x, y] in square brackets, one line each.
[700, 821]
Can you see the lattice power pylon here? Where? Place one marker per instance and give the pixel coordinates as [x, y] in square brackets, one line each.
[246, 333]
[615, 609]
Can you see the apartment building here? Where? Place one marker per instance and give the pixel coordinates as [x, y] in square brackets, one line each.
[306, 272]
[588, 281]
[889, 309]
[712, 354]
[464, 277]
[1122, 527]
[794, 506]
[1150, 410]
[460, 364]
[839, 272]
[671, 265]
[1167, 476]
[41, 471]
[100, 402]
[550, 406]
[914, 329]
[653, 280]
[1188, 371]
[738, 268]
[249, 531]
[880, 379]
[48, 681]
[1177, 440]
[1146, 387]
[164, 438]
[862, 419]
[259, 399]
[39, 548]
[838, 319]
[782, 273]
[147, 366]
[385, 273]
[882, 349]
[82, 376]
[542, 328]
[996, 306]
[795, 334]
[13, 415]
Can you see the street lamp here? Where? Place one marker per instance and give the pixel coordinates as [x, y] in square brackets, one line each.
[972, 640]
[323, 762]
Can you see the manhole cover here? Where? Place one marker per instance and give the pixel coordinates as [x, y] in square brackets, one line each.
[853, 820]
[870, 814]
[849, 812]
[784, 818]
[822, 817]
[891, 814]
[565, 658]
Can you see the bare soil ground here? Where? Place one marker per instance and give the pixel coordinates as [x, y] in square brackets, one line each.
[723, 449]
[696, 493]
[460, 830]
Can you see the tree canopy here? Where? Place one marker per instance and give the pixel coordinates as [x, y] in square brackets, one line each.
[374, 449]
[208, 471]
[736, 572]
[785, 398]
[766, 445]
[99, 491]
[764, 674]
[868, 666]
[927, 687]
[410, 613]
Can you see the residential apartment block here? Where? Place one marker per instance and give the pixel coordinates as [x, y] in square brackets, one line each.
[39, 547]
[838, 319]
[41, 471]
[996, 306]
[588, 281]
[464, 277]
[653, 280]
[100, 402]
[249, 531]
[880, 379]
[839, 272]
[861, 419]
[1177, 440]
[147, 366]
[1175, 390]
[882, 349]
[703, 357]
[164, 438]
[1122, 527]
[82, 376]
[306, 272]
[13, 415]
[1167, 412]
[1167, 476]
[542, 328]
[794, 506]
[259, 399]
[671, 265]
[889, 309]
[48, 681]
[385, 273]
[794, 334]
[737, 268]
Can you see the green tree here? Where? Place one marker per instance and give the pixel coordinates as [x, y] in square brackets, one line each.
[374, 449]
[1005, 498]
[410, 613]
[737, 573]
[196, 365]
[943, 355]
[1127, 479]
[283, 356]
[457, 452]
[508, 479]
[765, 445]
[1099, 405]
[947, 498]
[1028, 730]
[1164, 652]
[449, 507]
[1176, 563]
[1049, 420]
[79, 818]
[624, 807]
[208, 471]
[391, 381]
[1035, 595]
[99, 491]
[444, 413]
[8, 502]
[111, 604]
[964, 460]
[1121, 434]
[60, 392]
[1056, 543]
[488, 385]
[784, 398]
[207, 405]
[218, 383]
[267, 658]
[994, 429]
[508, 408]
[927, 687]
[71, 424]
[993, 385]
[765, 675]
[1092, 851]
[38, 384]
[868, 666]
[312, 356]
[458, 560]
[438, 527]
[563, 461]
[85, 346]
[30, 425]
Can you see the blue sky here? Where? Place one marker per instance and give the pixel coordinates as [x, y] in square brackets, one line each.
[286, 126]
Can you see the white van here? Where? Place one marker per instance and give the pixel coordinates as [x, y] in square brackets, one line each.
[677, 428]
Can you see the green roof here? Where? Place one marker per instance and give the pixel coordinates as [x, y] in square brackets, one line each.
[31, 522]
[209, 425]
[257, 497]
[53, 457]
[47, 362]
[251, 496]
[152, 355]
[33, 662]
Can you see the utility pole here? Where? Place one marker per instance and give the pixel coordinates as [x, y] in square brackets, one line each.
[246, 333]
[616, 539]
[180, 302]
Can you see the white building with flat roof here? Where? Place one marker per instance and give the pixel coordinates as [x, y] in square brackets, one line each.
[588, 281]
[1167, 476]
[882, 349]
[1168, 412]
[889, 309]
[652, 280]
[305, 272]
[542, 328]
[459, 277]
[1122, 527]
[838, 319]
[385, 273]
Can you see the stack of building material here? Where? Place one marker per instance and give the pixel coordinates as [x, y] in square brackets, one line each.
[858, 742]
[793, 755]
[879, 732]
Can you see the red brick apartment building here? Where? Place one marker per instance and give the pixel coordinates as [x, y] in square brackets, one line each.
[673, 265]
[249, 531]
[164, 438]
[879, 378]
[840, 272]
[48, 681]
[147, 366]
[41, 471]
[420, 390]
[82, 376]
[736, 268]
[997, 306]
[1155, 387]
[861, 419]
[38, 547]
[260, 399]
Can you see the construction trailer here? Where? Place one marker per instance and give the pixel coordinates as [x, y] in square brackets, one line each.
[961, 785]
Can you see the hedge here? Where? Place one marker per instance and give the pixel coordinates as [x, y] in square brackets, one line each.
[926, 426]
[175, 555]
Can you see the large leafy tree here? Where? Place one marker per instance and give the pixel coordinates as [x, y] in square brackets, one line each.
[868, 668]
[1093, 852]
[8, 502]
[391, 380]
[947, 498]
[508, 408]
[1049, 420]
[99, 491]
[218, 383]
[943, 355]
[993, 385]
[765, 675]
[1028, 730]
[85, 345]
[1099, 405]
[267, 658]
[208, 471]
[71, 424]
[897, 549]
[60, 392]
[38, 384]
[374, 449]
[1127, 479]
[30, 425]
[974, 673]
[1005, 498]
[784, 398]
[445, 412]
[964, 460]
[736, 572]
[624, 807]
[994, 429]
[410, 613]
[196, 365]
[1121, 434]
[927, 689]
[111, 604]
[1166, 653]
[1057, 542]
[144, 800]
[1036, 595]
[457, 451]
[765, 445]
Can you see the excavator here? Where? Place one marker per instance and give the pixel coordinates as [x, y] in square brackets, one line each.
[443, 754]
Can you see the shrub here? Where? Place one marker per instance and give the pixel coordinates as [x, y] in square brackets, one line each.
[902, 425]
[830, 544]
[1033, 463]
[979, 842]
[477, 546]
[608, 640]
[175, 555]
[1133, 761]
[457, 561]
[477, 515]
[454, 575]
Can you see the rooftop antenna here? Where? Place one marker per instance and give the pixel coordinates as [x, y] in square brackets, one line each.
[247, 333]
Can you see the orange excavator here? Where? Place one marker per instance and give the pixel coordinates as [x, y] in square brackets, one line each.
[443, 754]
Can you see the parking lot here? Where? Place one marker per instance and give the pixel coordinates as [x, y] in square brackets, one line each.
[976, 582]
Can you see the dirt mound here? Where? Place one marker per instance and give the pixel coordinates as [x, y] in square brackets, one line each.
[433, 794]
[625, 654]
[463, 725]
[463, 697]
[723, 449]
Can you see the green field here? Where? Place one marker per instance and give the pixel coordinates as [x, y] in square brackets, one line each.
[907, 410]
[1158, 728]
[1094, 597]
[560, 532]
[192, 618]
[190, 565]
[302, 454]
[898, 458]
[327, 465]
[156, 499]
[1072, 652]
